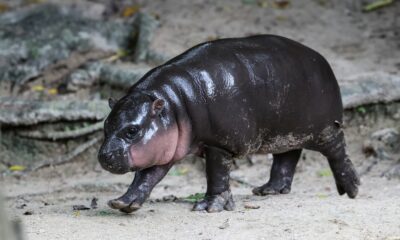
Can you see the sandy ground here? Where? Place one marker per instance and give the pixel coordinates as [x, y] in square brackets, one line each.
[353, 42]
[313, 210]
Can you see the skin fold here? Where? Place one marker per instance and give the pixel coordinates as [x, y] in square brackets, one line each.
[224, 99]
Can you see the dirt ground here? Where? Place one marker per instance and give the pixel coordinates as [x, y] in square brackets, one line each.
[313, 210]
[353, 42]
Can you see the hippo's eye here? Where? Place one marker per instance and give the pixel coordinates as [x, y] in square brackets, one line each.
[131, 132]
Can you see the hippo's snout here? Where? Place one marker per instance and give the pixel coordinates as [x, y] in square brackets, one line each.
[114, 161]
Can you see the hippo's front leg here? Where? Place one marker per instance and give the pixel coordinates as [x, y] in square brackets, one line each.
[140, 189]
[218, 196]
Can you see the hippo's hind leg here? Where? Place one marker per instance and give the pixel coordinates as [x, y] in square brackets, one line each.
[332, 146]
[282, 171]
[218, 196]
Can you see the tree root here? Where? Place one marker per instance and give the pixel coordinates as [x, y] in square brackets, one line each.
[68, 157]
[16, 112]
[56, 135]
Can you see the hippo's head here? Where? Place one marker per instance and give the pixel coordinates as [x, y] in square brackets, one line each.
[138, 134]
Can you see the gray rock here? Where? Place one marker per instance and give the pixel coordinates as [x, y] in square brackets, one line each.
[370, 88]
[384, 144]
[31, 39]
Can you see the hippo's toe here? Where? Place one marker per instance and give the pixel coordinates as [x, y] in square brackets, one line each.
[216, 203]
[347, 181]
[124, 206]
[117, 204]
[272, 188]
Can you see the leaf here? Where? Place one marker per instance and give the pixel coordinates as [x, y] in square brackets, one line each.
[17, 168]
[38, 88]
[362, 110]
[194, 197]
[4, 7]
[325, 173]
[178, 171]
[52, 91]
[119, 54]
[377, 4]
[130, 11]
[322, 196]
[263, 3]
[281, 4]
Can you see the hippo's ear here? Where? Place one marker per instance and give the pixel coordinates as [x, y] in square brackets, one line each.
[157, 106]
[112, 102]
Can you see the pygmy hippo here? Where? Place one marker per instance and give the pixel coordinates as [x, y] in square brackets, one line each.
[225, 99]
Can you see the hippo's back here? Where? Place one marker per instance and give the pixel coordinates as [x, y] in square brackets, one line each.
[247, 89]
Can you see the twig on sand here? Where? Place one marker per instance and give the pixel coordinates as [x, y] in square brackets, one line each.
[68, 157]
[241, 181]
[377, 4]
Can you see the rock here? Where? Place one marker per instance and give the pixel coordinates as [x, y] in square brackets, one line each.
[370, 88]
[383, 144]
[34, 38]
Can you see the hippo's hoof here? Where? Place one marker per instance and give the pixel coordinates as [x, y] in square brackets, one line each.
[216, 203]
[272, 188]
[124, 206]
[347, 181]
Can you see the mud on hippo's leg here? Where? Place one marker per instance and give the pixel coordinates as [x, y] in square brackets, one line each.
[143, 183]
[282, 171]
[218, 196]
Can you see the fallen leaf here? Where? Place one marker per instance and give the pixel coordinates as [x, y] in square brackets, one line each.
[325, 173]
[130, 11]
[362, 110]
[77, 213]
[377, 4]
[38, 88]
[178, 171]
[52, 91]
[263, 3]
[322, 196]
[4, 7]
[194, 197]
[251, 206]
[119, 54]
[281, 4]
[17, 168]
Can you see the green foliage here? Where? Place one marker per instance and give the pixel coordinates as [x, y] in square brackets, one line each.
[192, 198]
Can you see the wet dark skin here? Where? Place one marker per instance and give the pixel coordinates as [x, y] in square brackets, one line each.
[222, 100]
